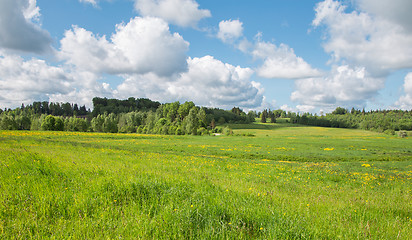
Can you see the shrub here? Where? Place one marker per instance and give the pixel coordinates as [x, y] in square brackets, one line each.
[402, 134]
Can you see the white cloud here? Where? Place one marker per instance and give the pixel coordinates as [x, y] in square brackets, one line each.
[143, 45]
[305, 108]
[230, 30]
[286, 108]
[17, 29]
[184, 13]
[281, 62]
[208, 82]
[344, 86]
[363, 39]
[93, 2]
[397, 11]
[405, 101]
[32, 11]
[25, 81]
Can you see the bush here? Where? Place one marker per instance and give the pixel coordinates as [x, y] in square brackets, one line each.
[390, 132]
[402, 134]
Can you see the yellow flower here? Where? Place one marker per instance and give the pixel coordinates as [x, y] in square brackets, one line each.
[191, 205]
[366, 165]
[329, 149]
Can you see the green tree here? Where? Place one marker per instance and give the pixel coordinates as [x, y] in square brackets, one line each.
[110, 124]
[97, 123]
[339, 111]
[192, 122]
[52, 123]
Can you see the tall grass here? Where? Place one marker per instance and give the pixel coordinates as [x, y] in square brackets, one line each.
[281, 184]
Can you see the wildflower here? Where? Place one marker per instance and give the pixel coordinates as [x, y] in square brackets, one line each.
[366, 165]
[191, 206]
[329, 149]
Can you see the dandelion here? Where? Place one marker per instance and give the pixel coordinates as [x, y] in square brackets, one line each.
[261, 228]
[191, 206]
[329, 149]
[366, 165]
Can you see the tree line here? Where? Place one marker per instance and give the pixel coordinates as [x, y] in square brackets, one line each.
[143, 115]
[125, 116]
[388, 121]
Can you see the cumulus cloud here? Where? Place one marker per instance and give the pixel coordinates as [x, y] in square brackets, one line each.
[230, 30]
[397, 11]
[281, 62]
[208, 82]
[377, 41]
[185, 13]
[405, 101]
[17, 29]
[344, 86]
[25, 81]
[141, 46]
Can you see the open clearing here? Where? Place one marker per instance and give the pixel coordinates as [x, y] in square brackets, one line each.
[285, 182]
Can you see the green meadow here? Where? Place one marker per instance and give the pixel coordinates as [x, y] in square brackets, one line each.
[271, 181]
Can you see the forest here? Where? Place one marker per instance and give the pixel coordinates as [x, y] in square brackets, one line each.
[124, 116]
[387, 121]
[145, 116]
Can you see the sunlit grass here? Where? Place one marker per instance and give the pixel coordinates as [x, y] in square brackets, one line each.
[280, 184]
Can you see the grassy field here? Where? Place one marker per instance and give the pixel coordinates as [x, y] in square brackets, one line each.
[285, 182]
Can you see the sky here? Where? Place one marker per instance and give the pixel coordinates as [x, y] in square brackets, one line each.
[295, 55]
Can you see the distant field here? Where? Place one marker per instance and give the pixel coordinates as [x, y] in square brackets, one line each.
[284, 182]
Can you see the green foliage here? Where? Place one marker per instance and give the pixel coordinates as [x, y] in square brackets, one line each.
[340, 111]
[110, 123]
[52, 123]
[74, 124]
[104, 105]
[388, 121]
[150, 117]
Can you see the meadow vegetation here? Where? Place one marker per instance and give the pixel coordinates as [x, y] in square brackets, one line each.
[268, 181]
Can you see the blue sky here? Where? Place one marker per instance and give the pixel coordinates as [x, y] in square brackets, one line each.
[294, 55]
